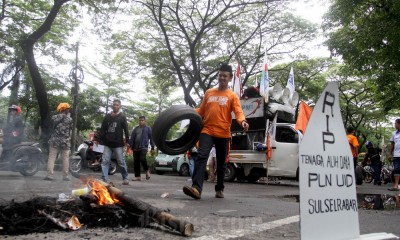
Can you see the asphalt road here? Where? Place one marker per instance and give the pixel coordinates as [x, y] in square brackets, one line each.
[248, 211]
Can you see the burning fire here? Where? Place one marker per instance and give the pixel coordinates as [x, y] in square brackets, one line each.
[101, 192]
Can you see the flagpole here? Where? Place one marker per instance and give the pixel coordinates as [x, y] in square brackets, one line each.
[266, 136]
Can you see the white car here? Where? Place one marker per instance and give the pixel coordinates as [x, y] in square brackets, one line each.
[171, 163]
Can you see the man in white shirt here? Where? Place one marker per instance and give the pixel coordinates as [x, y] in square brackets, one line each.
[394, 153]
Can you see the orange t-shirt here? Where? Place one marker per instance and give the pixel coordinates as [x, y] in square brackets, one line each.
[216, 110]
[353, 144]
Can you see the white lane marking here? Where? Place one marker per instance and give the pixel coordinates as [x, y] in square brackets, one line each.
[256, 229]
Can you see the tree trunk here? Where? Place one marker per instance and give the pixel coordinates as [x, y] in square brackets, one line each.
[27, 46]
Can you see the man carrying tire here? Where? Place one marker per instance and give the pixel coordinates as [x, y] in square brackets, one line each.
[216, 109]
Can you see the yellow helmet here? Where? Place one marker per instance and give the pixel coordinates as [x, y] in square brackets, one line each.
[63, 106]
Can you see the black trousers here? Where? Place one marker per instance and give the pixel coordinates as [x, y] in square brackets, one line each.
[139, 157]
[206, 142]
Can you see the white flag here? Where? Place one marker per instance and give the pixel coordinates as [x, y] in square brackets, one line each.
[237, 84]
[264, 81]
[272, 128]
[290, 82]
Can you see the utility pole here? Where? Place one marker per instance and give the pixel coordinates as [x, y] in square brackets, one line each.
[76, 77]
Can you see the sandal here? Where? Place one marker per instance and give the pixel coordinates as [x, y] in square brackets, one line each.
[393, 189]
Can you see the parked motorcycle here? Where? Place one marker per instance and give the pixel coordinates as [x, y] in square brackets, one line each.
[82, 160]
[25, 158]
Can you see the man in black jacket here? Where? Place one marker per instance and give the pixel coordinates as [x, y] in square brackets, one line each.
[112, 137]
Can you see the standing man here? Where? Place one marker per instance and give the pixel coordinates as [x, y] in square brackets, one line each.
[112, 137]
[139, 143]
[353, 144]
[394, 153]
[60, 141]
[216, 109]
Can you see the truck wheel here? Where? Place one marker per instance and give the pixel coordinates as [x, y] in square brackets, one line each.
[252, 178]
[169, 118]
[184, 170]
[230, 173]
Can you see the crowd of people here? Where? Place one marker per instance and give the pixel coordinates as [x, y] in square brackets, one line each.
[373, 158]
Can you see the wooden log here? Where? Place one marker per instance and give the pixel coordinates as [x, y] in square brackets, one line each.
[149, 212]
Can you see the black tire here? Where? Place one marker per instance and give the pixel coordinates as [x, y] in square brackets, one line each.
[167, 119]
[30, 163]
[252, 178]
[184, 170]
[75, 166]
[160, 172]
[359, 175]
[368, 178]
[230, 173]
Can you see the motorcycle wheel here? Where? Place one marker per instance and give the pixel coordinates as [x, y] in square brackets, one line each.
[31, 165]
[368, 178]
[113, 167]
[75, 166]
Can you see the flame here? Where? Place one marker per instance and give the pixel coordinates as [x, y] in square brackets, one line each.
[101, 192]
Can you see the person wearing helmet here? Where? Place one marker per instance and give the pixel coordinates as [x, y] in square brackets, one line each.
[373, 156]
[60, 141]
[14, 131]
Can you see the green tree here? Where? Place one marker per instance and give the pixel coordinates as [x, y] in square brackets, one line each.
[187, 40]
[113, 72]
[358, 104]
[42, 28]
[158, 98]
[367, 36]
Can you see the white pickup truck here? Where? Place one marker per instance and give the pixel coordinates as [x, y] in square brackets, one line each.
[248, 163]
[252, 164]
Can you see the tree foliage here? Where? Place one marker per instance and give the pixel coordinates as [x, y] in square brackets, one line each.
[159, 97]
[113, 74]
[187, 40]
[367, 35]
[310, 76]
